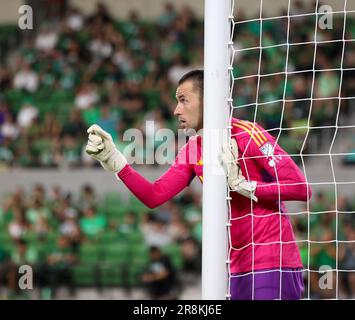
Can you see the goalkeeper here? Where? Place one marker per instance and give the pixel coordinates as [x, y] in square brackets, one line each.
[262, 176]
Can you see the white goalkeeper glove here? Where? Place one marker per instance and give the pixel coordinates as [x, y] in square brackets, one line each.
[236, 181]
[100, 147]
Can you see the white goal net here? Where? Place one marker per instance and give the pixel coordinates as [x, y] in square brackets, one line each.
[292, 72]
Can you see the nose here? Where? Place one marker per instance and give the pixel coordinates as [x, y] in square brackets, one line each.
[177, 110]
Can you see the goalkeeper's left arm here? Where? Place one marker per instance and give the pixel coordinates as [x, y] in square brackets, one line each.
[101, 147]
[289, 182]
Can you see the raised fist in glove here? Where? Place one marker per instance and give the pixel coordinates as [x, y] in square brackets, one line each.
[101, 147]
[236, 181]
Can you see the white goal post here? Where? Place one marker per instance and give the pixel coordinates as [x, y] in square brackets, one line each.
[216, 115]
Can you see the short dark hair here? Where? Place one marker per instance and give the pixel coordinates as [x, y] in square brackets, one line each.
[196, 76]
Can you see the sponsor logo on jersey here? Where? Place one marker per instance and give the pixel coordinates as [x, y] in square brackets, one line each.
[268, 150]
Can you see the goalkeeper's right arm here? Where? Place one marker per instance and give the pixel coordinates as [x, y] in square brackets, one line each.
[101, 147]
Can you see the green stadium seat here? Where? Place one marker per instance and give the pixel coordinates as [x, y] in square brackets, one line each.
[137, 267]
[52, 238]
[112, 199]
[140, 251]
[136, 206]
[134, 276]
[116, 253]
[85, 275]
[4, 236]
[31, 237]
[111, 276]
[115, 211]
[6, 243]
[108, 237]
[135, 238]
[90, 253]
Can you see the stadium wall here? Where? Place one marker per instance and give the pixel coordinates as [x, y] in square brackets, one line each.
[72, 180]
[150, 9]
[9, 11]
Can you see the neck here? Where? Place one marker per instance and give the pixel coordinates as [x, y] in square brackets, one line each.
[200, 132]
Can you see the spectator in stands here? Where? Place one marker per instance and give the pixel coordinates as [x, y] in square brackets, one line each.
[18, 226]
[179, 67]
[26, 78]
[6, 275]
[24, 254]
[75, 126]
[191, 256]
[86, 96]
[42, 228]
[70, 229]
[67, 209]
[160, 277]
[100, 46]
[60, 264]
[71, 150]
[74, 20]
[92, 224]
[87, 197]
[4, 109]
[132, 101]
[347, 261]
[166, 19]
[51, 127]
[129, 224]
[27, 114]
[55, 197]
[6, 154]
[122, 60]
[155, 231]
[108, 120]
[177, 227]
[349, 159]
[101, 16]
[9, 128]
[39, 193]
[46, 39]
[5, 79]
[37, 211]
[166, 212]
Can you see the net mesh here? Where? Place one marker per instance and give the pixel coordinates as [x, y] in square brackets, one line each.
[292, 74]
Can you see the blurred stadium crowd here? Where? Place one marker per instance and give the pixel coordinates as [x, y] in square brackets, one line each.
[78, 70]
[86, 70]
[87, 240]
